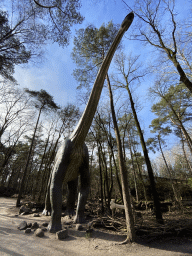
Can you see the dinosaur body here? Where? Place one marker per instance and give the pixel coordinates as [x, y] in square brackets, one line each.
[72, 159]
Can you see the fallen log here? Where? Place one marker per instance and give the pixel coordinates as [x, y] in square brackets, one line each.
[113, 205]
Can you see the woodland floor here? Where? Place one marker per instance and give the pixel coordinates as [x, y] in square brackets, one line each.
[173, 238]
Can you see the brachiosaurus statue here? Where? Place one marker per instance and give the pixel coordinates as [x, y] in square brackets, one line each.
[72, 158]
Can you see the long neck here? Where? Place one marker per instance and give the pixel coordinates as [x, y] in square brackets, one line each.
[79, 134]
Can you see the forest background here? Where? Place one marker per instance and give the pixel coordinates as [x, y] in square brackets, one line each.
[43, 93]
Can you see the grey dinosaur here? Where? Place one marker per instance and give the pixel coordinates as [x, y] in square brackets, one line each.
[72, 159]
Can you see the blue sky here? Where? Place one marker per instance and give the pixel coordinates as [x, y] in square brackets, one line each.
[54, 74]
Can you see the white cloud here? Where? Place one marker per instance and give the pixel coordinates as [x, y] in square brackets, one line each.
[54, 76]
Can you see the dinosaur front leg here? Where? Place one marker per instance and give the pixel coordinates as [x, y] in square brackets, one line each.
[56, 205]
[58, 177]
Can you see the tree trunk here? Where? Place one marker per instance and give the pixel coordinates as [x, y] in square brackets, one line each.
[183, 77]
[111, 179]
[43, 174]
[123, 173]
[170, 177]
[27, 163]
[106, 179]
[157, 207]
[139, 174]
[91, 168]
[134, 174]
[101, 178]
[135, 183]
[114, 162]
[117, 175]
[185, 155]
[28, 179]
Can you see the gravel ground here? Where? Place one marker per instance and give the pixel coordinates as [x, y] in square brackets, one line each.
[16, 242]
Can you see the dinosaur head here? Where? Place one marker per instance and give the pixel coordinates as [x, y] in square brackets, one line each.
[127, 21]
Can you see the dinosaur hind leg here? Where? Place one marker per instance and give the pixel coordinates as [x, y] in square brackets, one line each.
[84, 190]
[72, 193]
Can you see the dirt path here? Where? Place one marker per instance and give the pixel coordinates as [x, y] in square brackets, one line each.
[15, 242]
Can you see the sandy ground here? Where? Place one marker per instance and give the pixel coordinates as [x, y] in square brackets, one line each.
[15, 242]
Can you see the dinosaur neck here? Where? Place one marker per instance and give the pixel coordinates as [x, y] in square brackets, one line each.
[79, 134]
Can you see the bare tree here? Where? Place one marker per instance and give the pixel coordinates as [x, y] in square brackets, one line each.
[44, 102]
[159, 26]
[129, 70]
[13, 107]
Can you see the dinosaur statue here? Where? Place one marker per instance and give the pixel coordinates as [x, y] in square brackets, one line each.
[72, 158]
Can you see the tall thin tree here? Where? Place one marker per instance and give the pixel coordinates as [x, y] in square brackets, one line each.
[129, 75]
[44, 102]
